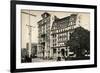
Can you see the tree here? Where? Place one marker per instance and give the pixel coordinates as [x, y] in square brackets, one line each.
[79, 42]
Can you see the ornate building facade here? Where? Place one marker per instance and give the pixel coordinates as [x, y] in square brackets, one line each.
[53, 35]
[61, 31]
[44, 36]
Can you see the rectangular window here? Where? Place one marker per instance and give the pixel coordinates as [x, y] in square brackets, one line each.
[54, 50]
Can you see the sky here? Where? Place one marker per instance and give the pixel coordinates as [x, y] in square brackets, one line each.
[85, 23]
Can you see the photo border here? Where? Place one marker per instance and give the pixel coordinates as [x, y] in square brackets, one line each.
[13, 35]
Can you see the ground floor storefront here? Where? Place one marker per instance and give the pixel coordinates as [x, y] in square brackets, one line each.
[60, 53]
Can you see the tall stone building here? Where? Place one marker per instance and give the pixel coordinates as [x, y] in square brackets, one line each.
[43, 50]
[61, 30]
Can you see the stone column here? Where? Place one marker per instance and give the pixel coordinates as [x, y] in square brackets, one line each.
[57, 52]
[65, 52]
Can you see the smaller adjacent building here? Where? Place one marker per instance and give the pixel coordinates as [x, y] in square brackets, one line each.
[24, 52]
[61, 30]
[33, 49]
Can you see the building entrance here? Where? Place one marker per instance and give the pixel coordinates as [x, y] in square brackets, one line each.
[63, 52]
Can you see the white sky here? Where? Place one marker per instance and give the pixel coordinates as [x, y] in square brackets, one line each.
[85, 23]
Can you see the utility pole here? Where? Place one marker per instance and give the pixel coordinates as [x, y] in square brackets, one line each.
[30, 31]
[30, 36]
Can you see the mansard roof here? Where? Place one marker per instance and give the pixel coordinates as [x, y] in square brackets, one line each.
[62, 22]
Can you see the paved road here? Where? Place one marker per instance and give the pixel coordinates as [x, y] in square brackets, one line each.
[40, 60]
